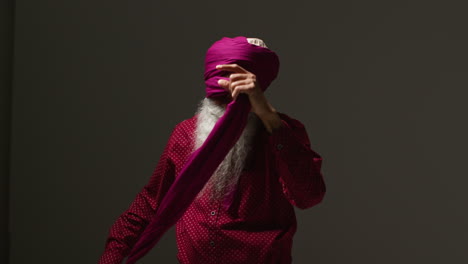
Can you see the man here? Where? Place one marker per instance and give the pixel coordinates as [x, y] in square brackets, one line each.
[269, 169]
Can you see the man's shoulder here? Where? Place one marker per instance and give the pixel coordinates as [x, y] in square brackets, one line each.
[290, 120]
[186, 126]
[182, 135]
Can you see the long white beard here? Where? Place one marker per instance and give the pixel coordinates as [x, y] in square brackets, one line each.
[226, 176]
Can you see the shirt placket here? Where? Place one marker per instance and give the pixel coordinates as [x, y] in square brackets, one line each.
[213, 220]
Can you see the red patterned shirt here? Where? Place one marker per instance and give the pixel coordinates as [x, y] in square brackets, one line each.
[283, 171]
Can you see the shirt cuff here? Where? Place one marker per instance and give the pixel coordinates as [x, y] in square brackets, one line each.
[111, 257]
[284, 141]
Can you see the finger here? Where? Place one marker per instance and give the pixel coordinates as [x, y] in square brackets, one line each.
[239, 76]
[224, 84]
[231, 67]
[240, 89]
[240, 82]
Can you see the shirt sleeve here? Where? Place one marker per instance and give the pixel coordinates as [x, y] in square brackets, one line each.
[297, 164]
[125, 231]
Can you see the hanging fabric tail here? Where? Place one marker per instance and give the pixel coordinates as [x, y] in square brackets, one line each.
[196, 173]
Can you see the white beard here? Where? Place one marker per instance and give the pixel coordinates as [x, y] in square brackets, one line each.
[226, 176]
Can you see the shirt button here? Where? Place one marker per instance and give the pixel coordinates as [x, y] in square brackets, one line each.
[213, 212]
[279, 146]
[212, 243]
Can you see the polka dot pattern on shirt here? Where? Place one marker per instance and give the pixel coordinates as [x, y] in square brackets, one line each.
[257, 228]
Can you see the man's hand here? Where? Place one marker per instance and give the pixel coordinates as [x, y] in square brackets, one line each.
[243, 81]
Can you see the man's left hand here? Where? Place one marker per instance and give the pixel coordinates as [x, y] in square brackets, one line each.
[243, 81]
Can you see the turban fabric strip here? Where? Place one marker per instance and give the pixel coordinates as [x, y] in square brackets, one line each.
[203, 162]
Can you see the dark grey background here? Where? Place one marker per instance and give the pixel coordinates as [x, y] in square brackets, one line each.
[97, 87]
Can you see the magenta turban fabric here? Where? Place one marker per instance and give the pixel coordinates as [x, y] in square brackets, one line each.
[203, 162]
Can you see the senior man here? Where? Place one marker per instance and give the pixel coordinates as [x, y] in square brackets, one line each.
[230, 175]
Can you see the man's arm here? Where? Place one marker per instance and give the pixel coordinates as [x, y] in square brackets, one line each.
[125, 231]
[298, 166]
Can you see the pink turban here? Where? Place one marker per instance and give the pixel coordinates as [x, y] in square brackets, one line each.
[203, 162]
